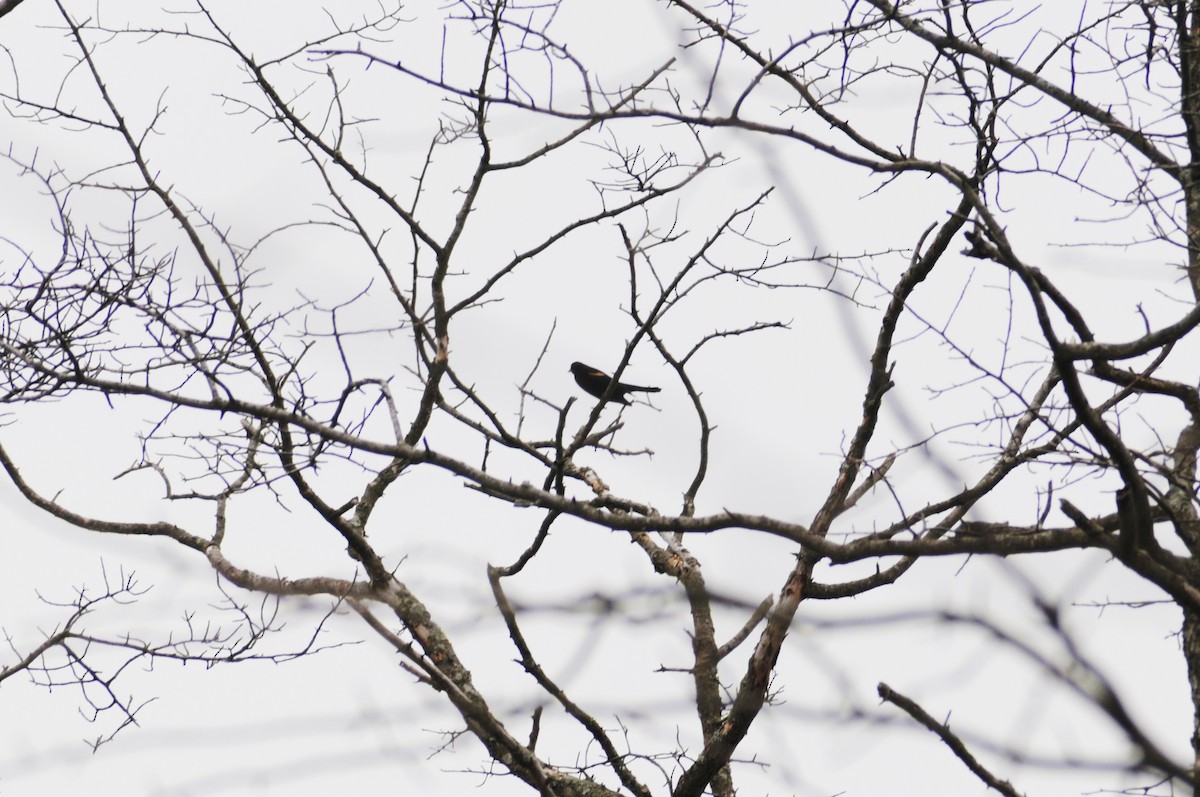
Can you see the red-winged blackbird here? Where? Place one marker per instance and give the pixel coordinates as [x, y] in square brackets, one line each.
[596, 382]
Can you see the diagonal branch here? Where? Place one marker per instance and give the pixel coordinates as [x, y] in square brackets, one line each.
[942, 729]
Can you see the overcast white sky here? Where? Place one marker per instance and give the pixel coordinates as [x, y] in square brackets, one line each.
[349, 718]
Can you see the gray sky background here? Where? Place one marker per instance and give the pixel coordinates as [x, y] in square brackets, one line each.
[349, 718]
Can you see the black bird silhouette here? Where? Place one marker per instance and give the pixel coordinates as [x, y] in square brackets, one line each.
[596, 382]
